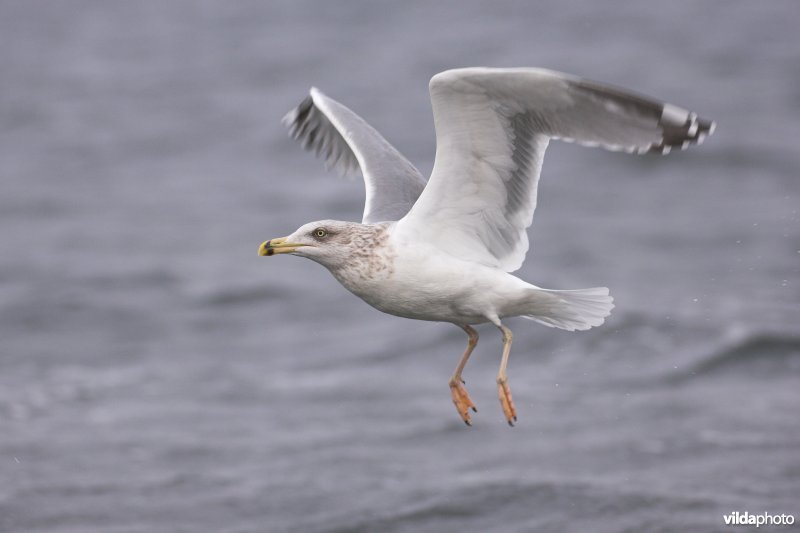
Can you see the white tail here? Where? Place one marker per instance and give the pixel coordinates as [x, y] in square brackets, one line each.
[571, 310]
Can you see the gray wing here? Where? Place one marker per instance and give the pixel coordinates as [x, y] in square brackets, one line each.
[492, 129]
[349, 144]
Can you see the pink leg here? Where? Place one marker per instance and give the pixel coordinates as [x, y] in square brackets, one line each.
[503, 390]
[461, 399]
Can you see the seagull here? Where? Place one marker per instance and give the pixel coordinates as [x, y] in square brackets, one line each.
[443, 250]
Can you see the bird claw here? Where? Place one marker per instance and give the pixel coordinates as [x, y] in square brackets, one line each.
[506, 402]
[462, 401]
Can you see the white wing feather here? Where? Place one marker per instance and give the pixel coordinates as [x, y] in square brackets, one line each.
[349, 144]
[492, 129]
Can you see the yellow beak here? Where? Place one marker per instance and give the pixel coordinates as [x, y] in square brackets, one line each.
[278, 246]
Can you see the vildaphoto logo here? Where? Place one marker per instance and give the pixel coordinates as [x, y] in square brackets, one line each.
[764, 519]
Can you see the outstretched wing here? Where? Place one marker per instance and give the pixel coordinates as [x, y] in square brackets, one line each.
[349, 144]
[492, 129]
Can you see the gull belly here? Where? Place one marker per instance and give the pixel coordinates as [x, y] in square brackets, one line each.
[422, 283]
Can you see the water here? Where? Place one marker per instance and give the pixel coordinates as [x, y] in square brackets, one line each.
[155, 375]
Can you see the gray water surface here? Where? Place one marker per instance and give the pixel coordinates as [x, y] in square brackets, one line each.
[156, 375]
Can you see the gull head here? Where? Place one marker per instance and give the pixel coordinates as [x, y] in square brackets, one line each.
[328, 242]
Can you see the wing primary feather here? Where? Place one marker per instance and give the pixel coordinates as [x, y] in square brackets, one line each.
[492, 129]
[348, 145]
[308, 125]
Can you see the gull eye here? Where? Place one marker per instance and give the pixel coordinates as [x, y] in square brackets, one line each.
[319, 233]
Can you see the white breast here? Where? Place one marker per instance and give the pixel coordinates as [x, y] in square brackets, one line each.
[414, 281]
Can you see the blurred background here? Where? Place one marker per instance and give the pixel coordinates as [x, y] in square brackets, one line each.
[156, 375]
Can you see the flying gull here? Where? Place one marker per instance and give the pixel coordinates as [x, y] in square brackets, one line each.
[443, 250]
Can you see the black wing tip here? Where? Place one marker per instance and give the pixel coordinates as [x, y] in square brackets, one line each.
[681, 129]
[295, 118]
[309, 125]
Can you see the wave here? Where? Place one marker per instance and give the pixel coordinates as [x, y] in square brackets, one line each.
[157, 278]
[67, 386]
[544, 505]
[233, 296]
[762, 354]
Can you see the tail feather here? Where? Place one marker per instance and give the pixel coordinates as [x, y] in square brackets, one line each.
[570, 309]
